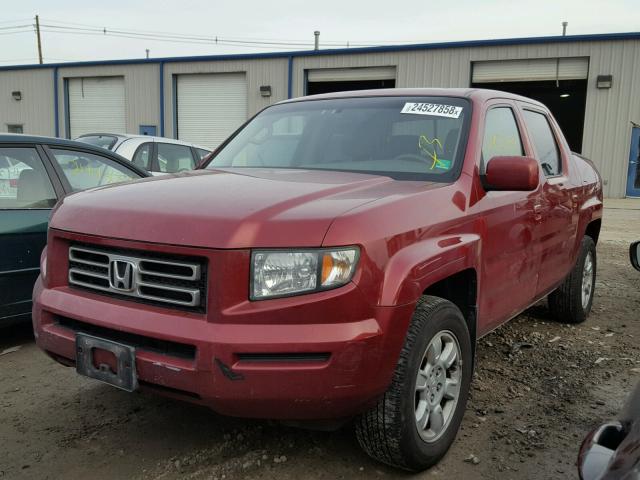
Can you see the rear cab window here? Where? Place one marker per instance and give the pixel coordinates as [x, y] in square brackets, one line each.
[544, 142]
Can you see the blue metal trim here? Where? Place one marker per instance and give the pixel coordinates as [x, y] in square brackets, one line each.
[290, 77]
[67, 115]
[174, 103]
[346, 51]
[56, 119]
[634, 164]
[161, 66]
[305, 82]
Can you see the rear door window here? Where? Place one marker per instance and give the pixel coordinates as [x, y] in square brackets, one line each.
[24, 182]
[547, 151]
[174, 158]
[87, 170]
[501, 135]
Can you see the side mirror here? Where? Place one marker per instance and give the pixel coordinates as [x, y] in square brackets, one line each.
[634, 254]
[512, 173]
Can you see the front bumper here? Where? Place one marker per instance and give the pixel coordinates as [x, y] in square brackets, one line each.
[289, 366]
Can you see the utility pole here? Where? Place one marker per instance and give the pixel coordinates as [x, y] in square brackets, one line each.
[38, 35]
[39, 41]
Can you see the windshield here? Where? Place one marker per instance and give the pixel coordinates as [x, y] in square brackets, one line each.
[105, 141]
[404, 138]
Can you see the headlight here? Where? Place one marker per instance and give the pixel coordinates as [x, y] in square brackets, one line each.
[277, 273]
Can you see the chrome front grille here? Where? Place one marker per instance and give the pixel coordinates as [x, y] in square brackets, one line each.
[152, 279]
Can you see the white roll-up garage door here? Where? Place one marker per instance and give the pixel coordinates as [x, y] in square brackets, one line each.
[210, 106]
[351, 74]
[96, 105]
[538, 69]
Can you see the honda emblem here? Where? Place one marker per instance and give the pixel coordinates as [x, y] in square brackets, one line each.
[122, 275]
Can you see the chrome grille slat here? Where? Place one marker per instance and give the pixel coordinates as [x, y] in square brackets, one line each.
[149, 277]
[91, 286]
[73, 256]
[195, 270]
[88, 273]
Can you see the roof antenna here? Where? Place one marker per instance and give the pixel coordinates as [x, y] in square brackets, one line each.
[564, 28]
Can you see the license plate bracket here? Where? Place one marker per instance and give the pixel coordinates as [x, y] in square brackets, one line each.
[125, 376]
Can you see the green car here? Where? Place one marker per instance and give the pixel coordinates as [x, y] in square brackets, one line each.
[36, 172]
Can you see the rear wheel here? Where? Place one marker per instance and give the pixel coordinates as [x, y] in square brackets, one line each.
[415, 422]
[571, 302]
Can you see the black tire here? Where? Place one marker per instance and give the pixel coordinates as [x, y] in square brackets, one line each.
[388, 432]
[565, 303]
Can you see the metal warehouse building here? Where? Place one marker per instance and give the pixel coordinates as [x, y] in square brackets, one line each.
[590, 82]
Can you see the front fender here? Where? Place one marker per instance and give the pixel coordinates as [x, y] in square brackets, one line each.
[414, 268]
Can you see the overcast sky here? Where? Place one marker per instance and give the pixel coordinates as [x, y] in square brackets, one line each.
[287, 21]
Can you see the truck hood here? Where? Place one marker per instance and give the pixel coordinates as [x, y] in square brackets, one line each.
[237, 208]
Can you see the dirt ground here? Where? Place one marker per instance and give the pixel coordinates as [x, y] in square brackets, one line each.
[539, 388]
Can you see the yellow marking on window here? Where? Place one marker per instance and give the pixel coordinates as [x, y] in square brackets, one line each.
[424, 143]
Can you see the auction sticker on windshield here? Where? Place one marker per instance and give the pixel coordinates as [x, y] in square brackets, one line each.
[436, 109]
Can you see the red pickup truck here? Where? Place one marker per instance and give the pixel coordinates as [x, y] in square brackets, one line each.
[338, 257]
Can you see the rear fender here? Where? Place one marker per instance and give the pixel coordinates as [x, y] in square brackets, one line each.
[591, 203]
[414, 268]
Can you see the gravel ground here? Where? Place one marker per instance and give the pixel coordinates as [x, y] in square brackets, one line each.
[539, 388]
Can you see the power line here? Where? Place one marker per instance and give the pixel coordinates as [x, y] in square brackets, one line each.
[16, 26]
[164, 32]
[75, 28]
[194, 38]
[16, 21]
[60, 24]
[30, 30]
[230, 39]
[210, 42]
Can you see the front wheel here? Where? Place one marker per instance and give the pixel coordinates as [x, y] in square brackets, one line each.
[571, 302]
[415, 422]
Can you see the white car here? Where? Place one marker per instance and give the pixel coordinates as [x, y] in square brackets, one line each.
[157, 155]
[10, 169]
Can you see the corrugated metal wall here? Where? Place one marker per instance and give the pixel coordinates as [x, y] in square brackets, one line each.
[141, 89]
[35, 110]
[609, 113]
[259, 72]
[608, 116]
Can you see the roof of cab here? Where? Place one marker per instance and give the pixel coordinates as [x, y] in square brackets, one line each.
[481, 94]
